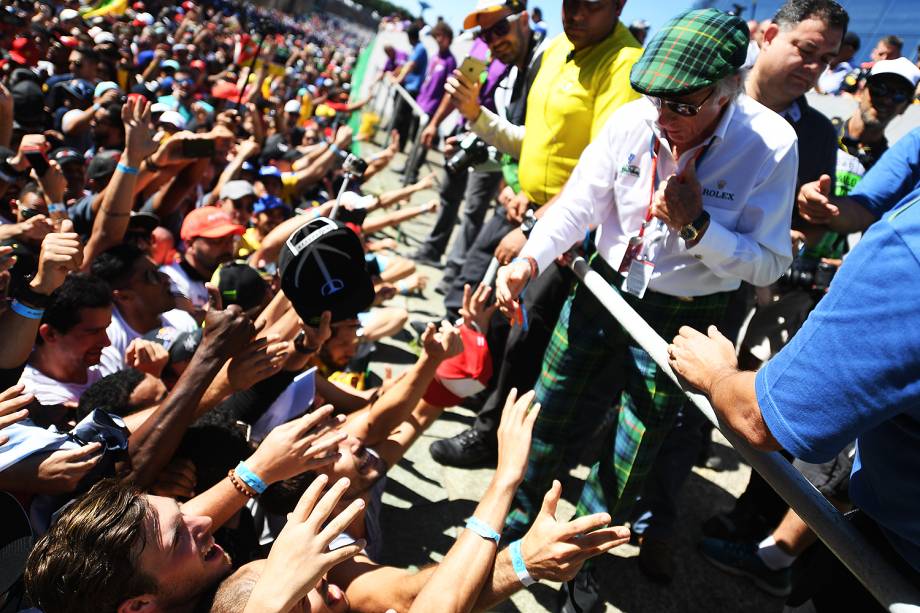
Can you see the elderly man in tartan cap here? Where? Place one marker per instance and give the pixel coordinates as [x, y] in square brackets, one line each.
[691, 189]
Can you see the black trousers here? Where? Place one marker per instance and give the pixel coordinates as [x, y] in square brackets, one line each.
[405, 122]
[520, 364]
[477, 260]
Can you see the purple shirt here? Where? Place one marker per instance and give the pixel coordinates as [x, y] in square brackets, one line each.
[495, 73]
[399, 58]
[440, 67]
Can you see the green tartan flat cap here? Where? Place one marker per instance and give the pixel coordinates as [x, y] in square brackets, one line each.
[690, 52]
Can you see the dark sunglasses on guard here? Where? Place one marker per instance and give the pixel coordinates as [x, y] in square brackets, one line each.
[499, 29]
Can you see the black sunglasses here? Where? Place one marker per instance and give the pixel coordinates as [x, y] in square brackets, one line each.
[683, 109]
[895, 94]
[499, 29]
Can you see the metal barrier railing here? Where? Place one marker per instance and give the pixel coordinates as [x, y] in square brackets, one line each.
[860, 557]
[386, 102]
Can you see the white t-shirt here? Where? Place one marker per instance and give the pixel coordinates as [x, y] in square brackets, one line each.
[121, 334]
[50, 391]
[182, 284]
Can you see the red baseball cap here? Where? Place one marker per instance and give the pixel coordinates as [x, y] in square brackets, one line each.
[24, 51]
[225, 90]
[208, 222]
[463, 375]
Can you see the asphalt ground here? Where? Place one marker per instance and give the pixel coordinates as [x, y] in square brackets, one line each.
[426, 503]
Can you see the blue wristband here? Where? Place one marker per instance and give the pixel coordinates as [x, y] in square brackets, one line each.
[250, 478]
[517, 562]
[128, 170]
[483, 529]
[26, 311]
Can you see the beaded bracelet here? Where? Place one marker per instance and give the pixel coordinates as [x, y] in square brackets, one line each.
[239, 486]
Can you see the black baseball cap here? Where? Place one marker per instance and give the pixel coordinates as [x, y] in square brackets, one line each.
[241, 284]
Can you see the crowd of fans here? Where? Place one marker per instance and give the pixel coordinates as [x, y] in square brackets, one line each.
[193, 271]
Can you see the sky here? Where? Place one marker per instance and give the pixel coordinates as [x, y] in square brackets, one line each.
[455, 10]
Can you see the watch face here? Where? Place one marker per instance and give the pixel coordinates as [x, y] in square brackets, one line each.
[688, 232]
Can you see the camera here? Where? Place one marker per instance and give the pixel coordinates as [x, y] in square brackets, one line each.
[809, 273]
[473, 151]
[354, 165]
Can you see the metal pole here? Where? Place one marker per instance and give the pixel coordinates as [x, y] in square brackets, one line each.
[859, 556]
[423, 116]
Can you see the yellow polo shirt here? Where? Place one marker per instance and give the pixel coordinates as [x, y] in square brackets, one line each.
[569, 102]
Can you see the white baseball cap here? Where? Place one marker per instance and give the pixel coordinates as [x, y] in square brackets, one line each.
[292, 106]
[902, 67]
[103, 38]
[67, 15]
[172, 118]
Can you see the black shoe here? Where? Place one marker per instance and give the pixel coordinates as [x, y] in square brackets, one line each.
[470, 448]
[581, 595]
[421, 257]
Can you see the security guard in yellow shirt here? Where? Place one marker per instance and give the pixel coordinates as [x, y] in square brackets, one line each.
[583, 77]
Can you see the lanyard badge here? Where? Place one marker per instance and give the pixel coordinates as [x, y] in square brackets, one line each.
[637, 265]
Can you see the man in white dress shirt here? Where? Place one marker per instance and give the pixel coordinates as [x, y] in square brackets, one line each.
[691, 190]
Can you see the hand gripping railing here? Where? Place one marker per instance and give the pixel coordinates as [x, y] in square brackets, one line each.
[863, 560]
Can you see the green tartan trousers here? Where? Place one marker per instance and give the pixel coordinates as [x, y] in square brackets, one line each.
[592, 366]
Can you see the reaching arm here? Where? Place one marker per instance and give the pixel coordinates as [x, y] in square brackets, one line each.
[841, 214]
[153, 444]
[169, 197]
[303, 444]
[385, 221]
[708, 363]
[552, 550]
[457, 583]
[61, 253]
[375, 423]
[113, 216]
[388, 199]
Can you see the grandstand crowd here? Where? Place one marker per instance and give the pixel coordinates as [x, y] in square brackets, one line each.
[194, 274]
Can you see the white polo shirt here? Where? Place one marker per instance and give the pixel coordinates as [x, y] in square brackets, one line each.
[748, 176]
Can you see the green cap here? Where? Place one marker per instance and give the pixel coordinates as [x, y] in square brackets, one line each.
[690, 52]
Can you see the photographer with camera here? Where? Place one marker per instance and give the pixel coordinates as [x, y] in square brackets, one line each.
[553, 135]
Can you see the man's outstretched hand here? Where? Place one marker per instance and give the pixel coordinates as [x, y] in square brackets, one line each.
[556, 550]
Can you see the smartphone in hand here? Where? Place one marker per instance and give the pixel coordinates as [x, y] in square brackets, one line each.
[37, 159]
[197, 148]
[472, 68]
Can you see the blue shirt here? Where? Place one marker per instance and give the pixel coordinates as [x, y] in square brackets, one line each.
[853, 372]
[419, 58]
[894, 178]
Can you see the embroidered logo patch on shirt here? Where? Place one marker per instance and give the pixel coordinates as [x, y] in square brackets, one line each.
[629, 168]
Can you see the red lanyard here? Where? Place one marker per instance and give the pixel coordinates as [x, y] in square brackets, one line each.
[652, 186]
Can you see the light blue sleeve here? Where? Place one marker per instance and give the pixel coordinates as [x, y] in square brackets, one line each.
[896, 174]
